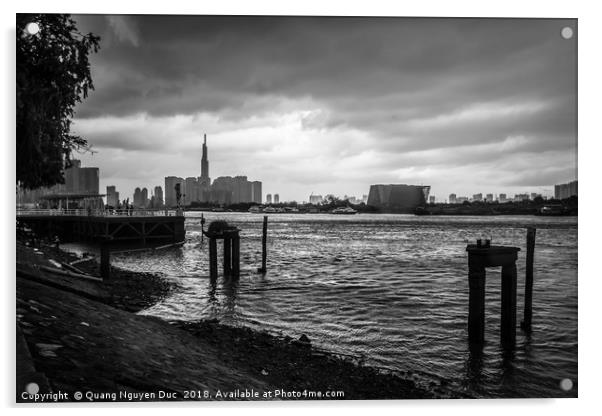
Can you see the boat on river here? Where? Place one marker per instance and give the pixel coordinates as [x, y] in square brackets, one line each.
[343, 211]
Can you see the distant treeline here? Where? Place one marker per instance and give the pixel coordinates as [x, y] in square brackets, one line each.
[567, 206]
[325, 206]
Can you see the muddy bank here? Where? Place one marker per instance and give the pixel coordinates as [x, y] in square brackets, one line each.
[295, 365]
[127, 290]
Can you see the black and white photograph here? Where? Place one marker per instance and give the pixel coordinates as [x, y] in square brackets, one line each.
[234, 207]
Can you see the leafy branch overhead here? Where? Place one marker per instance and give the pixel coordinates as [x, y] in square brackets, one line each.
[53, 75]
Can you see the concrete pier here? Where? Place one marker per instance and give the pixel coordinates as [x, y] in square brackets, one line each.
[479, 258]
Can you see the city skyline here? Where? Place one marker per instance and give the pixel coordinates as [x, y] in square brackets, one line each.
[312, 105]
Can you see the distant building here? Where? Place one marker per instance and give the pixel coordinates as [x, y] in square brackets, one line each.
[256, 195]
[170, 190]
[502, 198]
[461, 199]
[477, 197]
[398, 198]
[158, 202]
[137, 198]
[315, 199]
[112, 196]
[432, 199]
[521, 197]
[365, 199]
[452, 199]
[489, 198]
[144, 198]
[276, 199]
[192, 190]
[80, 180]
[268, 198]
[565, 190]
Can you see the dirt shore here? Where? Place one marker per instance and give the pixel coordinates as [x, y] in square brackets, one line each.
[99, 346]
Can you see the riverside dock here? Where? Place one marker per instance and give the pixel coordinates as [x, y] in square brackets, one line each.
[138, 227]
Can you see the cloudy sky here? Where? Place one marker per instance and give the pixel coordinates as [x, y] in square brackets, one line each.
[332, 105]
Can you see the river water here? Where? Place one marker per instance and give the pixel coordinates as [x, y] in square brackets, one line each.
[391, 290]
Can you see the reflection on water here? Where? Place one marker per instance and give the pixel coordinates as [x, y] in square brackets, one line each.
[391, 288]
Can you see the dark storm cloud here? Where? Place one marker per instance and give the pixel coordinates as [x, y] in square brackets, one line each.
[406, 88]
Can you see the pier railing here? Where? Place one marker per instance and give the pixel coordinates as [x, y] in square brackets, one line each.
[102, 212]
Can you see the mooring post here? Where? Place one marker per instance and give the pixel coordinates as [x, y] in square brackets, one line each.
[227, 254]
[479, 258]
[508, 322]
[235, 254]
[202, 228]
[264, 244]
[212, 258]
[105, 261]
[476, 302]
[528, 312]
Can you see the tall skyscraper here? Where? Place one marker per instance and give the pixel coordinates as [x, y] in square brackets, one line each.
[204, 180]
[268, 198]
[276, 199]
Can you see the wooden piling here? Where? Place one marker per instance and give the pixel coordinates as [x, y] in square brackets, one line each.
[528, 312]
[213, 258]
[235, 255]
[105, 262]
[476, 303]
[508, 321]
[227, 255]
[264, 243]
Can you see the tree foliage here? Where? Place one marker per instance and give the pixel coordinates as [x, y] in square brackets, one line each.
[53, 75]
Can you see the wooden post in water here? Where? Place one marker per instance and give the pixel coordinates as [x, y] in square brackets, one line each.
[212, 258]
[235, 254]
[264, 244]
[227, 254]
[105, 261]
[528, 312]
[508, 322]
[476, 302]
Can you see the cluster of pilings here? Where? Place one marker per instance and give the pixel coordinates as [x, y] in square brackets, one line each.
[480, 257]
[220, 230]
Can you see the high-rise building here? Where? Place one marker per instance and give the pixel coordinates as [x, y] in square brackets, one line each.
[276, 199]
[191, 190]
[502, 198]
[477, 197]
[489, 198]
[204, 180]
[158, 203]
[565, 190]
[432, 199]
[170, 190]
[144, 198]
[137, 198]
[268, 198]
[256, 195]
[452, 199]
[112, 196]
[80, 180]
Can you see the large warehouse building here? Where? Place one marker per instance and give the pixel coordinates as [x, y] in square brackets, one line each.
[398, 198]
